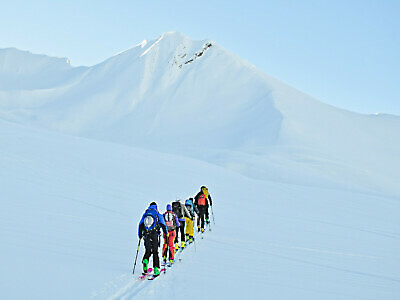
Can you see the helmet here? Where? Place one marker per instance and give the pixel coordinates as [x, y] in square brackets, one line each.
[188, 201]
[169, 207]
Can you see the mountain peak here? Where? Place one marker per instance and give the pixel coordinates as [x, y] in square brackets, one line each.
[195, 98]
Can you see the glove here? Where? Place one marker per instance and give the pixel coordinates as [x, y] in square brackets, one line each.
[167, 235]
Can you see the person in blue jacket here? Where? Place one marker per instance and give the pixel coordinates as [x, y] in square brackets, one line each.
[149, 230]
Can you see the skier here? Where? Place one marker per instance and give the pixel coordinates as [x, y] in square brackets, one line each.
[172, 222]
[149, 229]
[202, 202]
[189, 221]
[180, 210]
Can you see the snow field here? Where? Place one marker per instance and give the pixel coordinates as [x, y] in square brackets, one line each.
[70, 209]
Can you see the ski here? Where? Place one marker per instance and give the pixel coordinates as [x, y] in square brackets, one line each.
[143, 276]
[154, 277]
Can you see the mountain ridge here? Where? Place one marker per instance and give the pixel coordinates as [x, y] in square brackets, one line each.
[195, 98]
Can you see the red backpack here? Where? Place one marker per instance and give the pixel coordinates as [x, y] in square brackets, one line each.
[170, 220]
[201, 200]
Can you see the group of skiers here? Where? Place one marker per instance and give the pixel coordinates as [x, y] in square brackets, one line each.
[177, 220]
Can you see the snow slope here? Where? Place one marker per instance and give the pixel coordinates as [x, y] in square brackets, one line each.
[70, 207]
[196, 99]
[306, 196]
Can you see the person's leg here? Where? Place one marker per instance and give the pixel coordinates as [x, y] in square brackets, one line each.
[154, 245]
[165, 247]
[176, 238]
[187, 223]
[147, 254]
[171, 245]
[176, 235]
[183, 232]
[189, 229]
[202, 211]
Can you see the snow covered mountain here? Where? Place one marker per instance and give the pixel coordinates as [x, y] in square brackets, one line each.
[197, 99]
[84, 150]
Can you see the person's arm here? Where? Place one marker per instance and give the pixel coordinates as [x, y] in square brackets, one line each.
[178, 224]
[195, 207]
[192, 214]
[185, 211]
[140, 228]
[209, 198]
[162, 223]
[196, 198]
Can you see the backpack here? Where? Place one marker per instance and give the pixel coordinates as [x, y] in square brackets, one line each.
[205, 191]
[170, 220]
[202, 200]
[188, 202]
[150, 219]
[177, 209]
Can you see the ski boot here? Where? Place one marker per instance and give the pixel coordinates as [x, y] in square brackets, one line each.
[207, 221]
[183, 245]
[156, 272]
[198, 228]
[191, 239]
[202, 230]
[145, 266]
[176, 246]
[164, 259]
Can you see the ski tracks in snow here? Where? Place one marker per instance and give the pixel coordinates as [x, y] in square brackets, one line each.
[112, 290]
[129, 290]
[134, 286]
[131, 286]
[109, 287]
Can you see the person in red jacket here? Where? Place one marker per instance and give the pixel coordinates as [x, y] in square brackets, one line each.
[201, 203]
[172, 223]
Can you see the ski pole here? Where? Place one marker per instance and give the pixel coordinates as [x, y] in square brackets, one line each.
[167, 252]
[137, 252]
[194, 240]
[212, 215]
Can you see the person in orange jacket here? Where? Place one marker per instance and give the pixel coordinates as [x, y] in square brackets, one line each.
[201, 203]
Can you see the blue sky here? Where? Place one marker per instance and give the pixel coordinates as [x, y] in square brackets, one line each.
[345, 53]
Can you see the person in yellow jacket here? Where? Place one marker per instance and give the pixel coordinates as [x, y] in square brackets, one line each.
[189, 221]
[181, 212]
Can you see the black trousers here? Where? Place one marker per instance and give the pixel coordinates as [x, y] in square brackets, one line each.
[206, 214]
[151, 243]
[181, 228]
[203, 211]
